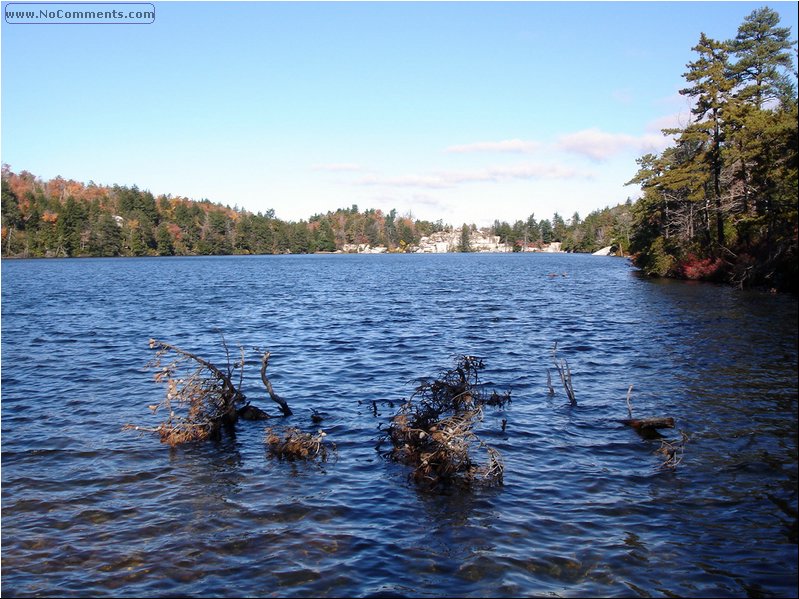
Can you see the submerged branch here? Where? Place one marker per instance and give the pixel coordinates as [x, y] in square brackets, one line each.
[565, 375]
[672, 451]
[293, 444]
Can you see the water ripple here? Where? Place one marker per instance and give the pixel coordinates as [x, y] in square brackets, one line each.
[90, 510]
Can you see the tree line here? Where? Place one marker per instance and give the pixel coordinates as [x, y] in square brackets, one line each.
[66, 218]
[721, 203]
[601, 228]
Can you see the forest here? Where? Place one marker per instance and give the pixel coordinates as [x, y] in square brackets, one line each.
[718, 204]
[721, 203]
[66, 218]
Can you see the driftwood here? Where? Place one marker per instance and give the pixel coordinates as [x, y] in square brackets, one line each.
[643, 423]
[646, 427]
[672, 451]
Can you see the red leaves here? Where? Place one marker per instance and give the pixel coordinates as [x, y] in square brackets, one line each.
[696, 269]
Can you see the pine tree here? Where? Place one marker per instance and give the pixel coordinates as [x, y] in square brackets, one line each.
[762, 50]
[465, 244]
[711, 91]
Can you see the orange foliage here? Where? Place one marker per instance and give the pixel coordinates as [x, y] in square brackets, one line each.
[174, 231]
[20, 183]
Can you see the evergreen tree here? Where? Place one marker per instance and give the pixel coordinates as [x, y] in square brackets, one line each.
[163, 241]
[465, 244]
[763, 53]
[711, 91]
[558, 227]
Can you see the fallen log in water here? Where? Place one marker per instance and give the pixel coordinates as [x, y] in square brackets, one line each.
[648, 426]
[672, 451]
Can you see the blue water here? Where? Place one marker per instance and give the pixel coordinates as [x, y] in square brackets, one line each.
[89, 509]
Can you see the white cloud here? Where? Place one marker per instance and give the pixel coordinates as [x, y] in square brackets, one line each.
[508, 145]
[600, 145]
[337, 167]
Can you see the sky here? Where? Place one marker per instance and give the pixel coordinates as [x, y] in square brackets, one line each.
[460, 111]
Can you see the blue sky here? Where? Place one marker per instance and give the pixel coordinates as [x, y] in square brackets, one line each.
[464, 111]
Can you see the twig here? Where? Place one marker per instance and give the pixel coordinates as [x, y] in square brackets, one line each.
[565, 375]
[673, 451]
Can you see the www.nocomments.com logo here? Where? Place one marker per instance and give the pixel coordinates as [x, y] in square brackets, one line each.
[79, 13]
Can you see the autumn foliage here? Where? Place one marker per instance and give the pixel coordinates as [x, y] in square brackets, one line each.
[62, 218]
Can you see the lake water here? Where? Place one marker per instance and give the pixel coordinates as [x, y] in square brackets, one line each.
[90, 510]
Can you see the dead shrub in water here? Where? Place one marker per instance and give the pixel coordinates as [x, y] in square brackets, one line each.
[433, 432]
[293, 444]
[200, 398]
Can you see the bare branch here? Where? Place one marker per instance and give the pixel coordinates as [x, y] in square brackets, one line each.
[284, 407]
[565, 375]
[673, 451]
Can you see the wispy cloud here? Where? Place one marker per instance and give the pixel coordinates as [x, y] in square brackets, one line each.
[426, 181]
[601, 145]
[337, 167]
[517, 146]
[414, 199]
[529, 170]
[494, 174]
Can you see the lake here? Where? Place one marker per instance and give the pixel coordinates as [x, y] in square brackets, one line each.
[585, 509]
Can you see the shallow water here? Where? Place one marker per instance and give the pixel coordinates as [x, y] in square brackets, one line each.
[88, 509]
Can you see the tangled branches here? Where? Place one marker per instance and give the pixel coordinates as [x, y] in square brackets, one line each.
[433, 431]
[672, 451]
[293, 444]
[200, 398]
